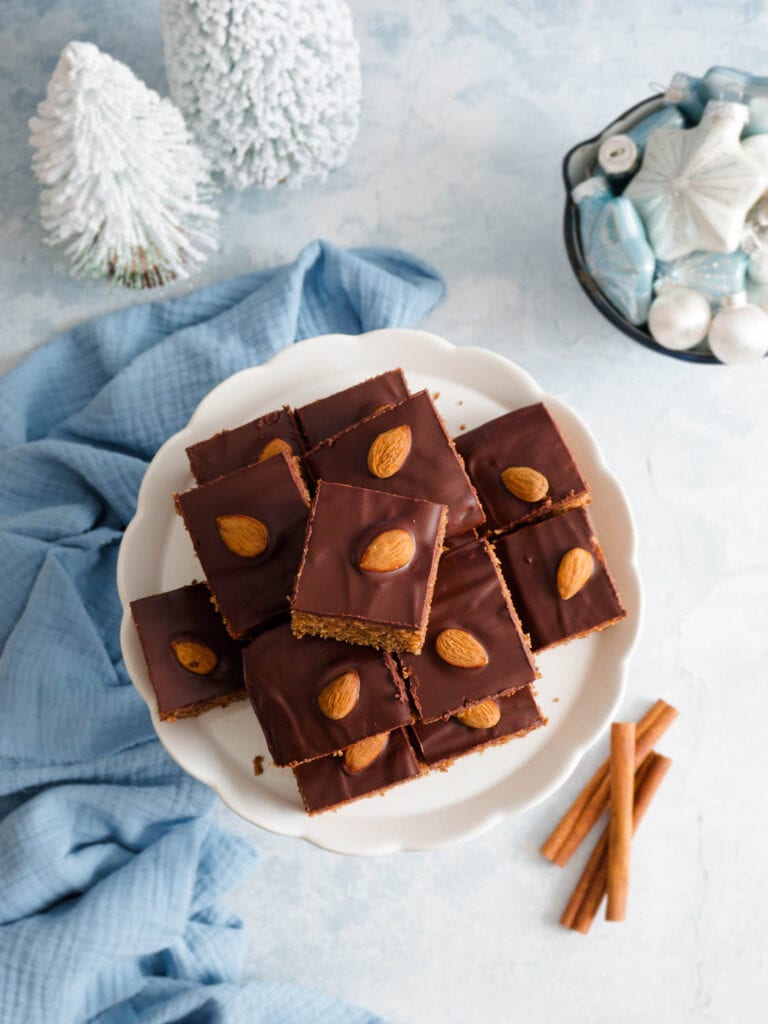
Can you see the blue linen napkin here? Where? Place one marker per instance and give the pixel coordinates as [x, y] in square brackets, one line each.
[111, 873]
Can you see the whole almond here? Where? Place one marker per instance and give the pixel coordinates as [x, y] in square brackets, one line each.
[460, 648]
[195, 657]
[390, 550]
[389, 451]
[525, 483]
[338, 697]
[274, 447]
[243, 535]
[364, 752]
[573, 572]
[480, 716]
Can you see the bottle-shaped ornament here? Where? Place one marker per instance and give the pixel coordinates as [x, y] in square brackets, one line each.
[695, 187]
[667, 117]
[739, 332]
[714, 275]
[615, 249]
[679, 317]
[724, 83]
[618, 158]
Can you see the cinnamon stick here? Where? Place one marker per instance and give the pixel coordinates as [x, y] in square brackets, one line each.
[596, 865]
[592, 888]
[622, 784]
[593, 800]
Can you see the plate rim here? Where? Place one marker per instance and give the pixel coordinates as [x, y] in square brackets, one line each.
[577, 750]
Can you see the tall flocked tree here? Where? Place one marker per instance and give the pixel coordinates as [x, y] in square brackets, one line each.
[124, 185]
[271, 88]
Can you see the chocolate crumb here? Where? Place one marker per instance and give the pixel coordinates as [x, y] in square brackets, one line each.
[462, 426]
[555, 700]
[258, 765]
[460, 401]
[435, 395]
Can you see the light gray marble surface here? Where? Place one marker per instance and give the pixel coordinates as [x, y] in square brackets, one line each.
[468, 109]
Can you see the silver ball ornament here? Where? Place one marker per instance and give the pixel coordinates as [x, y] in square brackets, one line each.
[739, 332]
[679, 318]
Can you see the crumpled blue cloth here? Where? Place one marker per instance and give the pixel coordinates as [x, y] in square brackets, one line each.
[111, 873]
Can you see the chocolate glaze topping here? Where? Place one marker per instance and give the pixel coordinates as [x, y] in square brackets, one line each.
[432, 469]
[447, 739]
[251, 592]
[344, 520]
[185, 614]
[328, 416]
[284, 677]
[525, 437]
[327, 782]
[530, 559]
[468, 596]
[232, 449]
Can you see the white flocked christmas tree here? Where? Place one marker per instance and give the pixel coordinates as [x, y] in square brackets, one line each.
[124, 185]
[271, 88]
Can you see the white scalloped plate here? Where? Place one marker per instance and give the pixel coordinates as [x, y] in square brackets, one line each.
[582, 683]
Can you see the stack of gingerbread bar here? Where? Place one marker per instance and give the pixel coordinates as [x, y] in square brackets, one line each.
[375, 588]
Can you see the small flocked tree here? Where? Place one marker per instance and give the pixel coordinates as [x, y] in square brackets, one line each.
[124, 185]
[271, 88]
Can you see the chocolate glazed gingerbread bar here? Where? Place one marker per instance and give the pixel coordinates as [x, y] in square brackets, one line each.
[404, 450]
[328, 416]
[490, 723]
[252, 442]
[315, 697]
[193, 664]
[522, 468]
[474, 647]
[368, 568]
[366, 768]
[247, 529]
[559, 581]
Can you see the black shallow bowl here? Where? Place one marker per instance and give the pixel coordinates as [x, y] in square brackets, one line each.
[576, 168]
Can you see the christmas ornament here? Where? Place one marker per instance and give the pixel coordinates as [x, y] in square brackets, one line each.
[687, 94]
[754, 242]
[679, 318]
[731, 84]
[615, 249]
[619, 155]
[667, 117]
[739, 332]
[695, 187]
[124, 184]
[618, 158]
[715, 275]
[271, 88]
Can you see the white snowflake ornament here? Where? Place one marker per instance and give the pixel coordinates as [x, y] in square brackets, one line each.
[271, 88]
[695, 187]
[124, 185]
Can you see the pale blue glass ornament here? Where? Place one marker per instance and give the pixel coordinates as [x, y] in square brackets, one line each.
[733, 85]
[615, 248]
[667, 117]
[715, 275]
